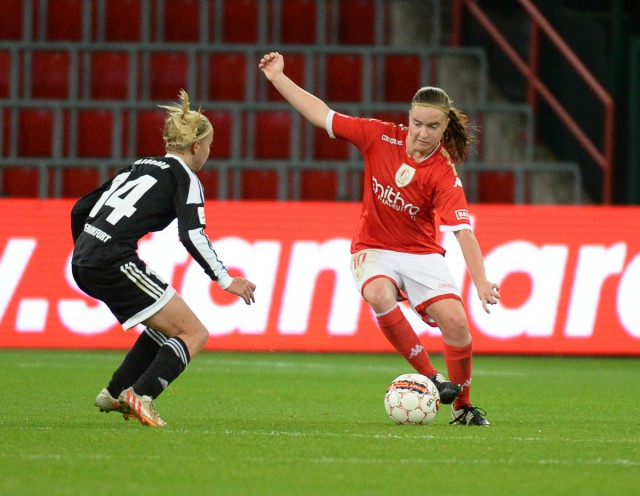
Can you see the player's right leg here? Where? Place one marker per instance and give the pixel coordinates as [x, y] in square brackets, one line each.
[382, 293]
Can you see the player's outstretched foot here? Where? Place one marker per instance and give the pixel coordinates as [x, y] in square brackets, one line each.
[469, 415]
[141, 407]
[448, 390]
[107, 403]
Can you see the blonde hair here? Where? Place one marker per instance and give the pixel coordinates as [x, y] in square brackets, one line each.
[457, 137]
[184, 126]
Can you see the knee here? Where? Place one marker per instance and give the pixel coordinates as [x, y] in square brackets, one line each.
[195, 339]
[202, 337]
[455, 329]
[379, 297]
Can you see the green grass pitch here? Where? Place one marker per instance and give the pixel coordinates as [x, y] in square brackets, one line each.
[314, 424]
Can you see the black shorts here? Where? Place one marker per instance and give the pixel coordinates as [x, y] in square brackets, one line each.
[131, 290]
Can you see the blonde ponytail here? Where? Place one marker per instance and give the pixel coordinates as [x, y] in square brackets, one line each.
[184, 126]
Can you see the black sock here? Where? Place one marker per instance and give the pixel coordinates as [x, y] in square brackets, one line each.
[137, 361]
[170, 361]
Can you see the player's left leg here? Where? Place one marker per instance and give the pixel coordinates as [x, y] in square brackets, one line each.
[451, 319]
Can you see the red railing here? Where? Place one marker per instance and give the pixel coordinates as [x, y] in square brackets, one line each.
[602, 156]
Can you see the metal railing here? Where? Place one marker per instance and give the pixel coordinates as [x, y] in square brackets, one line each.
[603, 155]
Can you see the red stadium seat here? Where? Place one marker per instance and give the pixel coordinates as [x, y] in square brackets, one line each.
[496, 187]
[222, 133]
[168, 74]
[344, 78]
[318, 185]
[95, 133]
[240, 21]
[326, 148]
[227, 75]
[272, 135]
[77, 182]
[356, 25]
[109, 78]
[123, 20]
[11, 12]
[64, 20]
[149, 125]
[401, 77]
[20, 181]
[5, 73]
[50, 74]
[181, 21]
[36, 133]
[259, 185]
[298, 22]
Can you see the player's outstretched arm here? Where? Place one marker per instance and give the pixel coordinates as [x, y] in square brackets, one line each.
[488, 292]
[311, 107]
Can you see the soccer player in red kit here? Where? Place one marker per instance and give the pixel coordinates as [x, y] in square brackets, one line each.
[410, 177]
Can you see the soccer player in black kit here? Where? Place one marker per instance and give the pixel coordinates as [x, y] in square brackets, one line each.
[106, 225]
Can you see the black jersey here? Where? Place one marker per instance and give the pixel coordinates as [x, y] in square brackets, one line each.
[146, 196]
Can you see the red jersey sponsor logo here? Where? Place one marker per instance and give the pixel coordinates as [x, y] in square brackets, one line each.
[392, 198]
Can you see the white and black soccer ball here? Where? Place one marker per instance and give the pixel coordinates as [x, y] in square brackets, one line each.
[412, 399]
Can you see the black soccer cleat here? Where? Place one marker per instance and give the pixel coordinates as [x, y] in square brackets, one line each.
[469, 415]
[448, 390]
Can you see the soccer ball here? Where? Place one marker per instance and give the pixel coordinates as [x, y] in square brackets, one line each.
[412, 399]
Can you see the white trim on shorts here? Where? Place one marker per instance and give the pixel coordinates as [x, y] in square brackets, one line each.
[154, 308]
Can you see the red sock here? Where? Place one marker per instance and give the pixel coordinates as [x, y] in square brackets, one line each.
[401, 335]
[458, 361]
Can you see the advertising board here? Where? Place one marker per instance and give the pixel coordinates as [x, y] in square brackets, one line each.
[569, 277]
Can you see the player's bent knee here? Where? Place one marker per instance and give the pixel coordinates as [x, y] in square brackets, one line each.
[379, 297]
[196, 338]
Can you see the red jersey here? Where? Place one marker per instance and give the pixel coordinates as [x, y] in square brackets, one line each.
[401, 196]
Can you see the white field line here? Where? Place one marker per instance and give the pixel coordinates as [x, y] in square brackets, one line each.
[427, 461]
[211, 362]
[208, 363]
[456, 461]
[453, 436]
[296, 366]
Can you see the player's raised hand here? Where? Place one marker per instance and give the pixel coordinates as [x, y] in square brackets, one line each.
[243, 288]
[271, 64]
